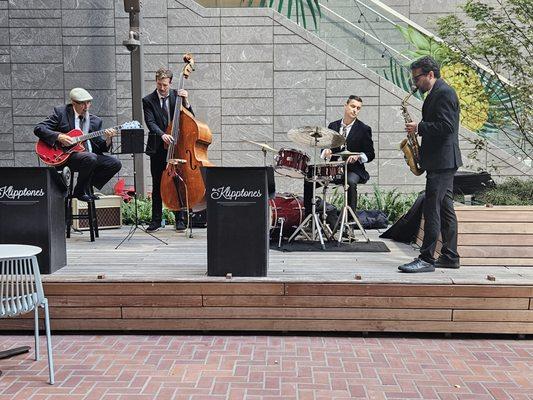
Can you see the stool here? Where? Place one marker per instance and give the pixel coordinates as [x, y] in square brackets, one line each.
[90, 216]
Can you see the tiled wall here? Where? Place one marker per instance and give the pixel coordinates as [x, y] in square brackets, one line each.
[257, 75]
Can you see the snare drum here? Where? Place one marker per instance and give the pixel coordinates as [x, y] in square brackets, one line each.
[328, 171]
[287, 208]
[291, 163]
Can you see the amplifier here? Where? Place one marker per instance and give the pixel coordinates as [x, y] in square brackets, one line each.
[108, 213]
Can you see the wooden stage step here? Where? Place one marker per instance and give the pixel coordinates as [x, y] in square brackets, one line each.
[146, 285]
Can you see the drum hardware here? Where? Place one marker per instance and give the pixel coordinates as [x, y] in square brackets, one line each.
[327, 228]
[264, 148]
[315, 136]
[347, 211]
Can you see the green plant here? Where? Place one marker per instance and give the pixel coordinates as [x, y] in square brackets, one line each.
[144, 212]
[500, 36]
[393, 203]
[512, 192]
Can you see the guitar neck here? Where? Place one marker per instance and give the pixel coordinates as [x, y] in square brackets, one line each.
[90, 135]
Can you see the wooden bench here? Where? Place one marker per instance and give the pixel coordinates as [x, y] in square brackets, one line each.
[496, 236]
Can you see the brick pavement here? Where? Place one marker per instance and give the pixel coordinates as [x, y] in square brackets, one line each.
[120, 367]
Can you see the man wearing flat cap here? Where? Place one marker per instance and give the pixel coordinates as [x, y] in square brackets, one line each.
[93, 167]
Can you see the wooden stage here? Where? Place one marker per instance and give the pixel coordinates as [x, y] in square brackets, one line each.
[146, 285]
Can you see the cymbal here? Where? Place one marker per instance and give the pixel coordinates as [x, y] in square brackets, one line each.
[263, 146]
[346, 153]
[310, 135]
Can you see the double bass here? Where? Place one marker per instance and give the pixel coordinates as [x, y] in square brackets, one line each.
[182, 183]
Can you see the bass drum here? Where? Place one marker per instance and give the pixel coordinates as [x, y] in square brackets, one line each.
[286, 213]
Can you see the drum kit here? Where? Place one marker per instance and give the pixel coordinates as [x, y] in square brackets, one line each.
[287, 210]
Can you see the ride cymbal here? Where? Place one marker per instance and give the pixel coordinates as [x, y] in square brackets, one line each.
[316, 135]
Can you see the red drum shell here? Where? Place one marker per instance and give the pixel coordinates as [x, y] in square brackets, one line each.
[290, 208]
[292, 163]
[330, 171]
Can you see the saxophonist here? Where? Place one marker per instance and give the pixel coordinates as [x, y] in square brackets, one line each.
[440, 157]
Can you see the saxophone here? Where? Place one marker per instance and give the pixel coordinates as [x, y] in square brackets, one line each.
[409, 145]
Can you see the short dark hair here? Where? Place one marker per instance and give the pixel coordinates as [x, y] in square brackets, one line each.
[427, 64]
[354, 97]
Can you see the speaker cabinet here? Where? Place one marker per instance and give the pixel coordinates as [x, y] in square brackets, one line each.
[108, 213]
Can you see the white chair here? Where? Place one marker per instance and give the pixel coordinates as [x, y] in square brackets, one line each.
[21, 291]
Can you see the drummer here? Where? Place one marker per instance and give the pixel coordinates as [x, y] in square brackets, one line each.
[358, 139]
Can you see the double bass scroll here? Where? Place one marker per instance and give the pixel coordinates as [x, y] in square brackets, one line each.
[182, 183]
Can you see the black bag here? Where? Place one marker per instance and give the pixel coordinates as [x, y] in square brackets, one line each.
[372, 219]
[406, 228]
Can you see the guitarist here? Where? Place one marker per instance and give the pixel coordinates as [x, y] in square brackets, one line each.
[93, 167]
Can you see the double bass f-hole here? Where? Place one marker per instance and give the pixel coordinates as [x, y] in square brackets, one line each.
[192, 164]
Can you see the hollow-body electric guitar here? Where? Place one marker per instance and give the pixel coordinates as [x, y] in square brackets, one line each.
[57, 155]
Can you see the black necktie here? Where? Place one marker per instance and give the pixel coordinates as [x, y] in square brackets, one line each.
[344, 134]
[87, 143]
[165, 108]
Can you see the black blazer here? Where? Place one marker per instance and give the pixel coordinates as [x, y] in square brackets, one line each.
[62, 121]
[439, 129]
[156, 121]
[360, 140]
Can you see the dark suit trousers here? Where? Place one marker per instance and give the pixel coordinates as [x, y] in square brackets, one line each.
[93, 169]
[439, 216]
[158, 163]
[353, 180]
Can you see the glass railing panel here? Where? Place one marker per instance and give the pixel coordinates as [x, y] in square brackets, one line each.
[386, 43]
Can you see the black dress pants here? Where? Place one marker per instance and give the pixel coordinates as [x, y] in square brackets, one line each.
[158, 163]
[93, 169]
[439, 216]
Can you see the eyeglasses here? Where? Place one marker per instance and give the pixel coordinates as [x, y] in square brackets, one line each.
[81, 102]
[415, 78]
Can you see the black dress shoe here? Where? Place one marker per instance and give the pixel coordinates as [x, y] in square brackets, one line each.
[180, 225]
[153, 227]
[417, 265]
[83, 197]
[445, 263]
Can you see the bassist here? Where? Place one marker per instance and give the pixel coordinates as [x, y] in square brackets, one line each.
[93, 167]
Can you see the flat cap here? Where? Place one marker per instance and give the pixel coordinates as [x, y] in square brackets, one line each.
[80, 94]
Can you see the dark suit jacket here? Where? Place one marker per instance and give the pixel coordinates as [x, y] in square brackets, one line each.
[62, 121]
[360, 140]
[439, 129]
[155, 119]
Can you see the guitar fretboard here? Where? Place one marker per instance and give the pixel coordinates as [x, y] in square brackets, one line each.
[91, 135]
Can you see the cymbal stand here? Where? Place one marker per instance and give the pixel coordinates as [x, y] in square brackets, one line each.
[264, 157]
[346, 213]
[317, 228]
[327, 228]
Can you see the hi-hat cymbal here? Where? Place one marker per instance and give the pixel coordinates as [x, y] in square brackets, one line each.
[346, 153]
[316, 135]
[263, 146]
